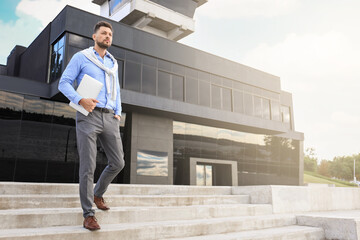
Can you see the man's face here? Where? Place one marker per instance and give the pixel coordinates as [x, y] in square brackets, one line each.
[103, 37]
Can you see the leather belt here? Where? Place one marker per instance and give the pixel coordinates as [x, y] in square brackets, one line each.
[104, 110]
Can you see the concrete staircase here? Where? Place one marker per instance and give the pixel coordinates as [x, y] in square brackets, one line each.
[52, 211]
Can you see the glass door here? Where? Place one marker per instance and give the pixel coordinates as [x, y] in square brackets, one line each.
[204, 175]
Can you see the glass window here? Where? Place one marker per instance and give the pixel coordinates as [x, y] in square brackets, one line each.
[215, 96]
[120, 72]
[204, 175]
[238, 102]
[226, 99]
[285, 115]
[266, 108]
[275, 110]
[72, 51]
[78, 41]
[204, 93]
[204, 76]
[177, 87]
[149, 61]
[178, 69]
[191, 73]
[134, 57]
[57, 59]
[192, 89]
[115, 5]
[227, 83]
[152, 163]
[149, 80]
[257, 106]
[164, 65]
[132, 76]
[164, 84]
[117, 52]
[248, 104]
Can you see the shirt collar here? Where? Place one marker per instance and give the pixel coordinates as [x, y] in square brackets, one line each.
[106, 53]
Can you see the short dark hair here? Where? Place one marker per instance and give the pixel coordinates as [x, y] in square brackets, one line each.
[102, 24]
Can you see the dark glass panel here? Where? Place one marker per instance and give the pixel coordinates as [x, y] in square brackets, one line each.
[238, 85]
[164, 65]
[177, 88]
[216, 79]
[178, 69]
[134, 57]
[132, 76]
[72, 51]
[120, 72]
[266, 108]
[78, 41]
[275, 111]
[248, 104]
[215, 96]
[204, 76]
[149, 80]
[191, 73]
[204, 93]
[257, 106]
[192, 89]
[117, 52]
[164, 84]
[226, 99]
[238, 102]
[227, 83]
[149, 61]
[10, 115]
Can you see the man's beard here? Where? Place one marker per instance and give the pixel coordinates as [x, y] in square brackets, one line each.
[102, 45]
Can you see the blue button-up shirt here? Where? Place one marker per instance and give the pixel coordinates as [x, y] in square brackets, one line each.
[80, 65]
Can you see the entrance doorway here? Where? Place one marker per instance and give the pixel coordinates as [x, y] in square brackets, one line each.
[213, 172]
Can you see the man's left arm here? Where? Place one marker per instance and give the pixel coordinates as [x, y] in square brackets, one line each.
[118, 107]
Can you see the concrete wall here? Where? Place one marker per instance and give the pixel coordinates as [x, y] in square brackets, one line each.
[153, 134]
[293, 199]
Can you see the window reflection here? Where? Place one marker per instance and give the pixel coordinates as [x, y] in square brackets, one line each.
[152, 163]
[57, 57]
[260, 157]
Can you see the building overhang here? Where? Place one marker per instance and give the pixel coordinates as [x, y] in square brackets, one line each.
[172, 20]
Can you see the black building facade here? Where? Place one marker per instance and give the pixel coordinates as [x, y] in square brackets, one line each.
[189, 117]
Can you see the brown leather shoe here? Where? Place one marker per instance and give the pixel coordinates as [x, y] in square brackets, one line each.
[91, 223]
[100, 203]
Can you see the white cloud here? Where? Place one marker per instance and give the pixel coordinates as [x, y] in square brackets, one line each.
[46, 10]
[322, 73]
[34, 15]
[20, 32]
[233, 9]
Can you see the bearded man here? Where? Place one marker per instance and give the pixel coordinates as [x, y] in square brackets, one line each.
[102, 122]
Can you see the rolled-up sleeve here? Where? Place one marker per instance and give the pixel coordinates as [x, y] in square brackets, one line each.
[68, 77]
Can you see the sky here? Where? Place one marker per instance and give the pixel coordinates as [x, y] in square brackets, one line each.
[312, 45]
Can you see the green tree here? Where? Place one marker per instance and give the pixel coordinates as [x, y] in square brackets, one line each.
[310, 161]
[324, 168]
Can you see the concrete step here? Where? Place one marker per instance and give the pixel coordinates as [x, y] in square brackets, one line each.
[16, 188]
[282, 233]
[72, 201]
[153, 230]
[32, 218]
[336, 224]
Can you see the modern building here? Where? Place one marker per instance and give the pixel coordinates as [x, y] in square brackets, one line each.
[189, 117]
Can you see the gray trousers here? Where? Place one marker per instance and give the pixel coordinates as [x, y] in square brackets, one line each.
[88, 129]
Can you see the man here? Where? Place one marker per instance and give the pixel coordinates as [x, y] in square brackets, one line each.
[102, 122]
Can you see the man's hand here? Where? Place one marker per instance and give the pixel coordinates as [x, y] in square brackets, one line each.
[117, 117]
[88, 103]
